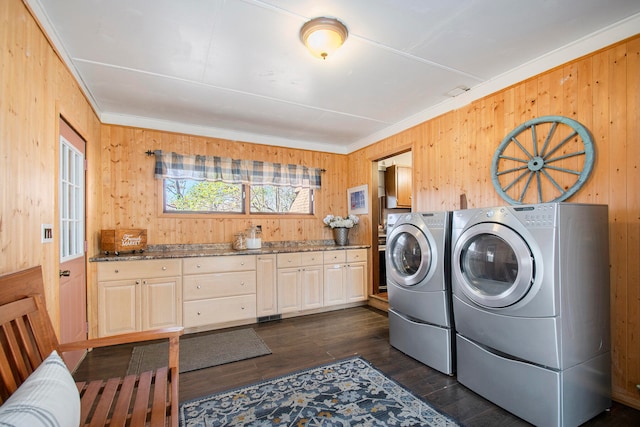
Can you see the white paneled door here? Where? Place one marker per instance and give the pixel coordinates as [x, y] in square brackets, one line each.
[73, 296]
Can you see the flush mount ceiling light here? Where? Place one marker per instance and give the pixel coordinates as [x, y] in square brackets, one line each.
[322, 36]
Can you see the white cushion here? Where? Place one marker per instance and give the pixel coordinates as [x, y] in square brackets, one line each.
[49, 397]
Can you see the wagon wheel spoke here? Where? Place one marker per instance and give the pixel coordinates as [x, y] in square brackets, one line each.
[542, 141]
[518, 178]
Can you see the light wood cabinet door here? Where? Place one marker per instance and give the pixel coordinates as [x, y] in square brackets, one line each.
[266, 290]
[311, 287]
[118, 310]
[356, 281]
[139, 295]
[334, 291]
[161, 302]
[404, 186]
[288, 290]
[398, 186]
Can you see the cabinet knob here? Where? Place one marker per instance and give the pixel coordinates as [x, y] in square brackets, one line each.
[198, 287]
[116, 271]
[137, 282]
[242, 263]
[241, 283]
[198, 313]
[198, 266]
[242, 308]
[164, 268]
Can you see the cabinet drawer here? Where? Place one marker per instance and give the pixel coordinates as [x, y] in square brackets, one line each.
[289, 260]
[219, 264]
[120, 270]
[219, 310]
[335, 257]
[356, 255]
[311, 258]
[218, 285]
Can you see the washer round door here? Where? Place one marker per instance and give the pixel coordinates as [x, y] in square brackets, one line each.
[409, 255]
[493, 265]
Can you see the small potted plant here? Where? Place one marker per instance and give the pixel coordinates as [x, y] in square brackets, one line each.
[341, 226]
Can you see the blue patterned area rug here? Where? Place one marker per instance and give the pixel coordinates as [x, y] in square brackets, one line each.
[350, 392]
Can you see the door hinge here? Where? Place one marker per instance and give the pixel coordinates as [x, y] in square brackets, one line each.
[86, 327]
[86, 165]
[86, 246]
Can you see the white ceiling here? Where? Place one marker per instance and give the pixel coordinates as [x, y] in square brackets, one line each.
[236, 69]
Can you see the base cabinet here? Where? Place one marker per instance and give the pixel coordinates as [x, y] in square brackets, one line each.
[345, 276]
[266, 288]
[300, 281]
[219, 290]
[139, 295]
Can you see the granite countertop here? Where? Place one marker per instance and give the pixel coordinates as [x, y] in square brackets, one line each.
[223, 249]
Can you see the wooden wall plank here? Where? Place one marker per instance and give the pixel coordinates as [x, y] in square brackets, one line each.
[601, 90]
[36, 89]
[453, 153]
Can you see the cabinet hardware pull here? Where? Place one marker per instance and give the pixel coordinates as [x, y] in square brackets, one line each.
[241, 283]
[137, 282]
[198, 313]
[164, 268]
[198, 266]
[116, 271]
[198, 286]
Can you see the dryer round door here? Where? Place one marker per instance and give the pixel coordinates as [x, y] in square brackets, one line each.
[493, 265]
[409, 255]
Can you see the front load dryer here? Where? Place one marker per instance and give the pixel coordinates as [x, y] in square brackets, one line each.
[531, 305]
[417, 265]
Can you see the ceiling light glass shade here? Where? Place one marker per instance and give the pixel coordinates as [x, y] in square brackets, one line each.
[323, 36]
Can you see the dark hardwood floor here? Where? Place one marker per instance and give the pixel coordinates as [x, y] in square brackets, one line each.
[303, 342]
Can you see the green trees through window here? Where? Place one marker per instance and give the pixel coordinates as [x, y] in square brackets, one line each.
[189, 196]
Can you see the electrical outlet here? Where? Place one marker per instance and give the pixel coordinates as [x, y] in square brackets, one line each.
[47, 233]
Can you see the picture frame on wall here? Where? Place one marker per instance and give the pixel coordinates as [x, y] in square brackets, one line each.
[358, 200]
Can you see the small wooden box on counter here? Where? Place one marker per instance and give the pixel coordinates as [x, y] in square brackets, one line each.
[123, 240]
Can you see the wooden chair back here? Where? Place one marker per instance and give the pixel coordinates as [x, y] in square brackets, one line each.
[27, 337]
[26, 333]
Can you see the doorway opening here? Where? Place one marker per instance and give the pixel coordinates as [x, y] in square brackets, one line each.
[393, 177]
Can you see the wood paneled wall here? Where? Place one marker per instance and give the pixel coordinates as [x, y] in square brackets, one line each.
[452, 155]
[37, 89]
[132, 194]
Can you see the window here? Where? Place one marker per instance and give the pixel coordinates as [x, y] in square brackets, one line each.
[212, 184]
[282, 200]
[191, 196]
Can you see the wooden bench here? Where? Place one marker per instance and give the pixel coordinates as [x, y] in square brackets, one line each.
[27, 337]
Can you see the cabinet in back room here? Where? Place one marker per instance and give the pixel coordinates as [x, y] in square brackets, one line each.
[398, 186]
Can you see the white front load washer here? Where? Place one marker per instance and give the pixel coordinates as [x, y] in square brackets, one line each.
[531, 306]
[417, 265]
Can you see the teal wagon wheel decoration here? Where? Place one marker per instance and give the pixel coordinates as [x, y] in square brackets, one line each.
[546, 159]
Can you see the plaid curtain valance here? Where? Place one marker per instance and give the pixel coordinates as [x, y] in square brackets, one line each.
[234, 171]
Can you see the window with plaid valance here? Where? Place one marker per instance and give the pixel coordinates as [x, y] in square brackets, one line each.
[234, 171]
